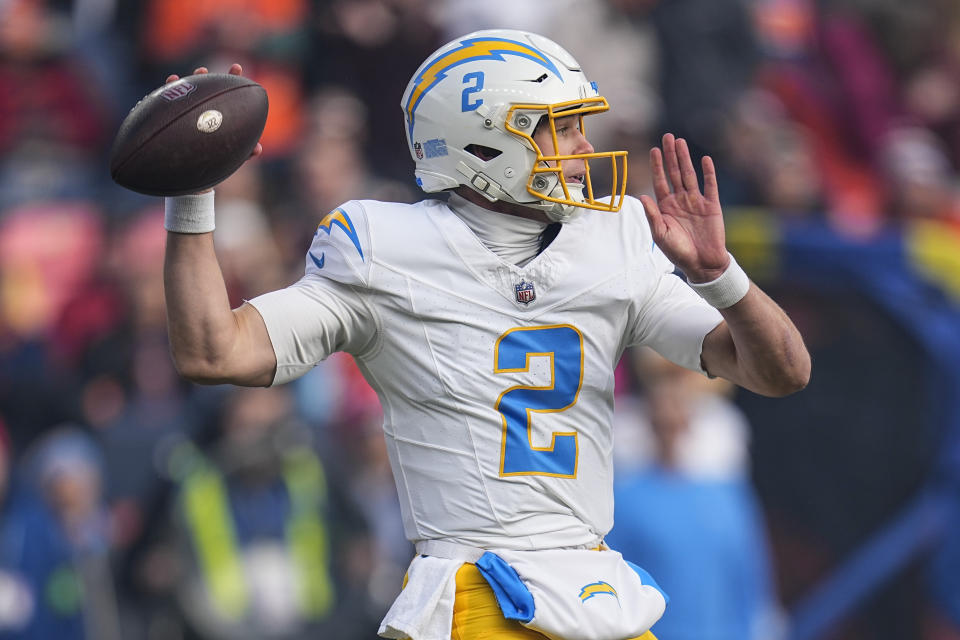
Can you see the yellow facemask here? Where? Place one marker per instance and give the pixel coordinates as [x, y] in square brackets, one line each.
[538, 185]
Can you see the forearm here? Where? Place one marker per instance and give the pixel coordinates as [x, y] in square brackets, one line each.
[200, 322]
[210, 342]
[758, 347]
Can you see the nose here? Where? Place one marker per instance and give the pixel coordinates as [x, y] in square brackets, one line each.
[583, 145]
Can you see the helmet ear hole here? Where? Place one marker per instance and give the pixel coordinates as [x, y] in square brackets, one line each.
[483, 152]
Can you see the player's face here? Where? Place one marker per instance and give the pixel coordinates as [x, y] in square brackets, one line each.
[570, 140]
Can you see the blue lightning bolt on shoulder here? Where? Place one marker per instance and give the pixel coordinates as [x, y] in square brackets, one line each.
[338, 218]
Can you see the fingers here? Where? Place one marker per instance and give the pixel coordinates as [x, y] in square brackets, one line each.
[174, 77]
[673, 169]
[657, 226]
[671, 162]
[710, 190]
[661, 188]
[687, 172]
[235, 69]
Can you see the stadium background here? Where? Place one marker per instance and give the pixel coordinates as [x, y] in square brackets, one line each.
[835, 125]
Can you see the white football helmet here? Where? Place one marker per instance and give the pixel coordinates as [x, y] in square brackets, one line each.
[471, 110]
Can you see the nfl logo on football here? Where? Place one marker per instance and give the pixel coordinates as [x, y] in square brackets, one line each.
[177, 90]
[525, 292]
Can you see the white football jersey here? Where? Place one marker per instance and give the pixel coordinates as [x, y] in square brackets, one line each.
[496, 381]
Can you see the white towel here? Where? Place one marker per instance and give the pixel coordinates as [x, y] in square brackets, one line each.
[424, 609]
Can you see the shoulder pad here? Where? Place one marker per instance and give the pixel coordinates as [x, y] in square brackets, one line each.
[341, 245]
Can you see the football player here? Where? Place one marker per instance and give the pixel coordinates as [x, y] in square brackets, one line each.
[490, 324]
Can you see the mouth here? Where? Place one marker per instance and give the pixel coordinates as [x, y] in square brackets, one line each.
[577, 179]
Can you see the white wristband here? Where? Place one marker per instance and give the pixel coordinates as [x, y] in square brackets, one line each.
[189, 214]
[727, 290]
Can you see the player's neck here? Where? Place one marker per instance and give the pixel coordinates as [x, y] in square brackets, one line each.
[515, 239]
[500, 206]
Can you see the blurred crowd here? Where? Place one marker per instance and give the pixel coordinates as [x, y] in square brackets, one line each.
[135, 505]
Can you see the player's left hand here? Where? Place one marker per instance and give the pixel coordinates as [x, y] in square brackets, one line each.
[687, 225]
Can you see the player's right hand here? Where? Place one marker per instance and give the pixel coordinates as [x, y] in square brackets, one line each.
[235, 69]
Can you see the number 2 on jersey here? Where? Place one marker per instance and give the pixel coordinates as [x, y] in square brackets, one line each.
[563, 345]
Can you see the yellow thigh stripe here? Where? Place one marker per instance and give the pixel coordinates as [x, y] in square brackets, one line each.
[477, 616]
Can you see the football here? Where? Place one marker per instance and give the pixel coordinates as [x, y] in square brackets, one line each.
[189, 135]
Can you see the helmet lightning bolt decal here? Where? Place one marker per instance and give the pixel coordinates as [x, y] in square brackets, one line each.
[469, 50]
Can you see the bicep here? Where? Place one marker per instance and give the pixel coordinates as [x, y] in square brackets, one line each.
[673, 320]
[758, 347]
[310, 320]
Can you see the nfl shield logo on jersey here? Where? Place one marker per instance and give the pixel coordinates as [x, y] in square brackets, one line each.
[525, 292]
